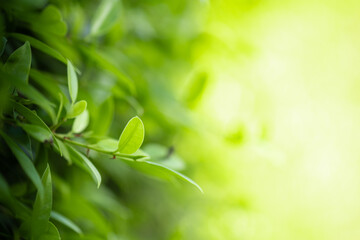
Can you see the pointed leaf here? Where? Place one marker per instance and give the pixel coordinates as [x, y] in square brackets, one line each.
[42, 207]
[66, 222]
[33, 118]
[18, 64]
[132, 136]
[72, 81]
[40, 46]
[82, 161]
[77, 109]
[25, 162]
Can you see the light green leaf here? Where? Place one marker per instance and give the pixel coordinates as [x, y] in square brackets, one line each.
[132, 136]
[35, 131]
[109, 145]
[52, 233]
[82, 161]
[77, 109]
[81, 122]
[42, 207]
[33, 118]
[66, 222]
[161, 171]
[105, 17]
[40, 46]
[72, 81]
[25, 162]
[19, 62]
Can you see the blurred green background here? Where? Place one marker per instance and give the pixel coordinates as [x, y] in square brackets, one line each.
[259, 98]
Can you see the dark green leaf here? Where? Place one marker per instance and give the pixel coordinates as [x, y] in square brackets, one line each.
[51, 232]
[18, 64]
[49, 22]
[25, 162]
[35, 131]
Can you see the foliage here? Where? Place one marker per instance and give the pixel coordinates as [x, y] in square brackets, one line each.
[74, 75]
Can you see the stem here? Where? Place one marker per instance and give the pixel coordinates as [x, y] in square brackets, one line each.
[121, 155]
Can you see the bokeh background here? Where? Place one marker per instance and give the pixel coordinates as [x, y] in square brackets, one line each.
[255, 100]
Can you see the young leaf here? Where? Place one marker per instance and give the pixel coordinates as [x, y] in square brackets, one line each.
[72, 81]
[77, 109]
[18, 64]
[109, 145]
[40, 46]
[34, 119]
[42, 207]
[132, 136]
[25, 162]
[82, 161]
[105, 17]
[81, 122]
[66, 222]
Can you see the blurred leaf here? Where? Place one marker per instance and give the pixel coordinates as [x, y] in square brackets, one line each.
[65, 152]
[33, 94]
[40, 46]
[65, 221]
[20, 210]
[42, 207]
[25, 162]
[35, 131]
[109, 145]
[103, 117]
[105, 17]
[49, 22]
[77, 109]
[82, 161]
[33, 118]
[161, 171]
[72, 81]
[46, 81]
[196, 89]
[51, 233]
[18, 64]
[3, 42]
[81, 122]
[132, 136]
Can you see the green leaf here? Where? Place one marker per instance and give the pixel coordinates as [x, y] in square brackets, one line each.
[20, 210]
[66, 222]
[49, 22]
[72, 81]
[109, 145]
[77, 109]
[18, 64]
[25, 162]
[35, 131]
[161, 171]
[3, 42]
[34, 119]
[65, 152]
[40, 46]
[51, 233]
[42, 207]
[46, 82]
[105, 17]
[132, 136]
[82, 161]
[81, 122]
